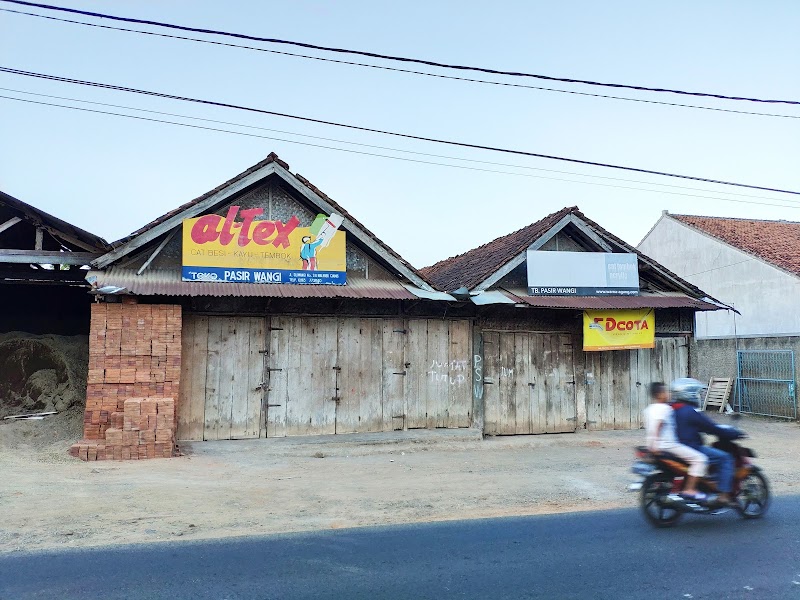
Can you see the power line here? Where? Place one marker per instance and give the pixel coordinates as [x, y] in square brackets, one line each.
[392, 133]
[389, 57]
[399, 70]
[379, 147]
[718, 268]
[412, 160]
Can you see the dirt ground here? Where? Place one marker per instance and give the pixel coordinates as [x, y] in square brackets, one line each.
[219, 489]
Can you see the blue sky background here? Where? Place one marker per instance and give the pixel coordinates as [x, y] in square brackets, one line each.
[112, 175]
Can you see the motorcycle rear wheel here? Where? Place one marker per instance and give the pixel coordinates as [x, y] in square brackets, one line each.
[752, 501]
[655, 490]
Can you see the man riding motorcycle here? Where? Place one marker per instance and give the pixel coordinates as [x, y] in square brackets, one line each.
[690, 424]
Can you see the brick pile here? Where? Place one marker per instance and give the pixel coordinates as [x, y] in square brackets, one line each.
[144, 429]
[134, 353]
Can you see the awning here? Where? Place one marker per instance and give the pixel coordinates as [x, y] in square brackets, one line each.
[596, 302]
[154, 282]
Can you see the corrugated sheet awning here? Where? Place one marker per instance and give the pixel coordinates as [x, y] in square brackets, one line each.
[169, 283]
[609, 302]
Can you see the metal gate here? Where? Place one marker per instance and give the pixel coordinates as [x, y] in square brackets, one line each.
[766, 383]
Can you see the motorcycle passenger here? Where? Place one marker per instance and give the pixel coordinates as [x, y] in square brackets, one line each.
[690, 423]
[661, 437]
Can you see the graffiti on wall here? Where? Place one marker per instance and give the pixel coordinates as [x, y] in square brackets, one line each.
[453, 372]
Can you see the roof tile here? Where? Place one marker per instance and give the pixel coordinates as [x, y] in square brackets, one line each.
[777, 242]
[472, 267]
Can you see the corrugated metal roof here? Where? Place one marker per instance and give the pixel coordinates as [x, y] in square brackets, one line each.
[169, 283]
[607, 302]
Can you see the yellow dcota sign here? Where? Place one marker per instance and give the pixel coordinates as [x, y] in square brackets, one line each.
[619, 329]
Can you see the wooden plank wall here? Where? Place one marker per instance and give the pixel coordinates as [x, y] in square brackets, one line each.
[250, 376]
[393, 390]
[311, 387]
[214, 380]
[280, 332]
[438, 385]
[618, 392]
[559, 365]
[458, 412]
[191, 401]
[529, 383]
[360, 376]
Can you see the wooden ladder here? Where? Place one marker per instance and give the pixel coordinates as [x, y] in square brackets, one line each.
[719, 389]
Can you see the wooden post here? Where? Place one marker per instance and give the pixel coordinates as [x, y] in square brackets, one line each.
[581, 379]
[478, 417]
[39, 238]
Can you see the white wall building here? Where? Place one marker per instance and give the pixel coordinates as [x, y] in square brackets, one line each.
[750, 264]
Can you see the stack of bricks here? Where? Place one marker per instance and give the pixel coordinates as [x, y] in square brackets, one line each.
[144, 429]
[134, 353]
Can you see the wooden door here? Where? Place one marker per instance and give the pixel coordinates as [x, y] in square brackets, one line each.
[192, 397]
[222, 367]
[438, 381]
[302, 376]
[394, 374]
[360, 376]
[529, 383]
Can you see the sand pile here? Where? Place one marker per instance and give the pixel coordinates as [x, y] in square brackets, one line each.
[42, 372]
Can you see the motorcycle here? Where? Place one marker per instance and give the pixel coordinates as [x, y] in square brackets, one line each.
[662, 477]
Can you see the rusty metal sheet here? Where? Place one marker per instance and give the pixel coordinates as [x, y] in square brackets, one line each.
[168, 283]
[624, 302]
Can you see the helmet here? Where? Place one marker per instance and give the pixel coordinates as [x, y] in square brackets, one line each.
[686, 390]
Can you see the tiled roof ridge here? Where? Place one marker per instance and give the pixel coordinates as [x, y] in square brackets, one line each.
[565, 211]
[682, 216]
[775, 242]
[271, 157]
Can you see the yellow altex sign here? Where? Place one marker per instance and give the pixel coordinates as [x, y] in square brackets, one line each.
[249, 250]
[619, 329]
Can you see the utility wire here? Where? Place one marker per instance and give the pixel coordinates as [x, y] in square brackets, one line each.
[399, 70]
[376, 146]
[412, 160]
[741, 262]
[385, 132]
[389, 57]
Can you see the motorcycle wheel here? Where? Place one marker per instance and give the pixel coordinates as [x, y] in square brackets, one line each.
[752, 500]
[655, 489]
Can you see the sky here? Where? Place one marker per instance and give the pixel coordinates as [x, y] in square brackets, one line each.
[111, 175]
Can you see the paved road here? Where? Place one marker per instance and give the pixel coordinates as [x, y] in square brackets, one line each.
[596, 555]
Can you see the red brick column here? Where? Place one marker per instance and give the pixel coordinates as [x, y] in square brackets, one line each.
[134, 354]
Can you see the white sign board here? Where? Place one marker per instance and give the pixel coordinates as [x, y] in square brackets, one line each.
[582, 274]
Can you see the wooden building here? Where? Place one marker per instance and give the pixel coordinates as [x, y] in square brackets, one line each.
[357, 342]
[264, 309]
[44, 321]
[40, 266]
[532, 372]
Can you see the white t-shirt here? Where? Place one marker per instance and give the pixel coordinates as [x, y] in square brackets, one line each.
[654, 415]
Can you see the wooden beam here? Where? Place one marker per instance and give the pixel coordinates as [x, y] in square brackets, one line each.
[15, 276]
[47, 257]
[71, 239]
[356, 232]
[39, 239]
[157, 251]
[196, 209]
[10, 223]
[590, 233]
